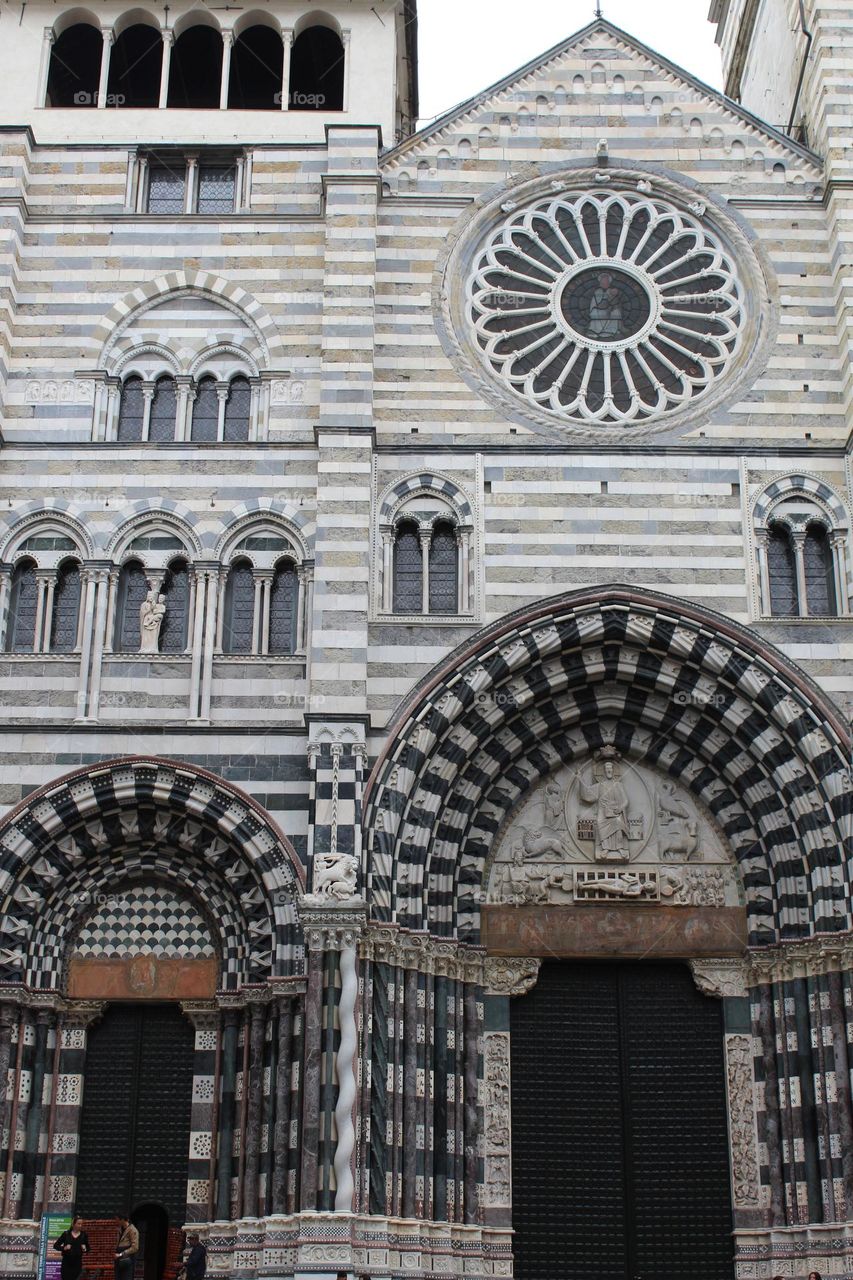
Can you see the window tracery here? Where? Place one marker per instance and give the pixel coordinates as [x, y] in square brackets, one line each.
[801, 541]
[609, 307]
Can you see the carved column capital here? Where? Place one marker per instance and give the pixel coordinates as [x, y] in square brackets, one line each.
[722, 978]
[510, 976]
[332, 928]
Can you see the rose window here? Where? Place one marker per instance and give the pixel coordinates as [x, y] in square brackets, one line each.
[606, 308]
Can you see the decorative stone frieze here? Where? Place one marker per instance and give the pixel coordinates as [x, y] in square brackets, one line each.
[801, 959]
[410, 950]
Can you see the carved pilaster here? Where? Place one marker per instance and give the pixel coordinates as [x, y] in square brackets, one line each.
[743, 1137]
[496, 1191]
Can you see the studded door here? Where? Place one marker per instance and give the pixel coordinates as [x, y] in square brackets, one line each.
[135, 1126]
[619, 1136]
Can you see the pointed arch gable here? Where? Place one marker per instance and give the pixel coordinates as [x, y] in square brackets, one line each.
[681, 688]
[172, 821]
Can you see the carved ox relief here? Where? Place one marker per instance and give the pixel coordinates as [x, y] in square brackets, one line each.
[608, 830]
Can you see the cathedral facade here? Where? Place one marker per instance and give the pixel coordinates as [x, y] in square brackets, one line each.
[426, 857]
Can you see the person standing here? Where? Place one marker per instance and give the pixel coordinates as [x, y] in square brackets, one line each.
[72, 1244]
[127, 1247]
[196, 1263]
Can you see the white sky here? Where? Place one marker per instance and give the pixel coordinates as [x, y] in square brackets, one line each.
[466, 45]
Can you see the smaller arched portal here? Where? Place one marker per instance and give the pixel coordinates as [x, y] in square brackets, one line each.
[150, 949]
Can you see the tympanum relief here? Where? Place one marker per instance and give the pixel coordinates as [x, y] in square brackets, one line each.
[609, 830]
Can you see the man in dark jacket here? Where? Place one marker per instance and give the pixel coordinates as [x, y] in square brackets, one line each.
[196, 1263]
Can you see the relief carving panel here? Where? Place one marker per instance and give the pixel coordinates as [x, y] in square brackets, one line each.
[607, 830]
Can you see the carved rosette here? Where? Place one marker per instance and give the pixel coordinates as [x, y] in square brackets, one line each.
[510, 976]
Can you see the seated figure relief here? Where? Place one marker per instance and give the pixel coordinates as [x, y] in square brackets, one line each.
[606, 829]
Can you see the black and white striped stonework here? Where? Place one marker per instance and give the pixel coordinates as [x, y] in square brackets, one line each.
[680, 688]
[141, 820]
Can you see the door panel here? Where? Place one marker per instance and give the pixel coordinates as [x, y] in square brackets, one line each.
[620, 1151]
[137, 1100]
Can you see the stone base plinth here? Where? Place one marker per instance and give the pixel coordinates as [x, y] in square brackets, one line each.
[313, 1244]
[795, 1251]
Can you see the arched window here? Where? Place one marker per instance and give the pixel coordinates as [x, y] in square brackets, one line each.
[817, 563]
[132, 590]
[238, 630]
[131, 411]
[21, 626]
[443, 570]
[135, 63]
[257, 60]
[176, 589]
[66, 608]
[283, 600]
[195, 71]
[206, 411]
[75, 67]
[317, 71]
[408, 569]
[782, 571]
[164, 410]
[238, 409]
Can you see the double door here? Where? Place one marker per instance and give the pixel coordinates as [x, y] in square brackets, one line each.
[619, 1131]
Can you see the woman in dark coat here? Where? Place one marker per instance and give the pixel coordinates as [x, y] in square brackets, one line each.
[72, 1245]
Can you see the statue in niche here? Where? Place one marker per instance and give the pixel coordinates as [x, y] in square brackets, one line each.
[679, 830]
[611, 830]
[151, 614]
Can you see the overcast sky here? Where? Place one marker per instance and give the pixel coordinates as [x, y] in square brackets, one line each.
[466, 45]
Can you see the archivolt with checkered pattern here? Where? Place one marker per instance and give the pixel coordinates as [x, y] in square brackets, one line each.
[141, 821]
[674, 685]
[795, 485]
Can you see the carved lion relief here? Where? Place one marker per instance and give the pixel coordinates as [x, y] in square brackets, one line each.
[609, 830]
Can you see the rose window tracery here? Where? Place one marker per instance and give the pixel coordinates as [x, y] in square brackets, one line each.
[607, 308]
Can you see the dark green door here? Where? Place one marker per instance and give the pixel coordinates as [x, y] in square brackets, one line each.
[619, 1132]
[137, 1099]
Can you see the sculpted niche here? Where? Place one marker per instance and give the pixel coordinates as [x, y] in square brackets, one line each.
[605, 830]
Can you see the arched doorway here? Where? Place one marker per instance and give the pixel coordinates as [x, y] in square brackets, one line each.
[619, 1135]
[152, 1222]
[135, 1121]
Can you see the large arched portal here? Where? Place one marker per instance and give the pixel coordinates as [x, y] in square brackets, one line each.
[605, 781]
[150, 951]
